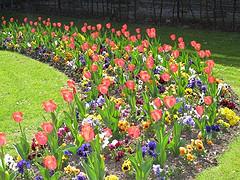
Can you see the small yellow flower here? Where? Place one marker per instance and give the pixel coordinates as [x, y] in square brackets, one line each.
[126, 166]
[189, 148]
[190, 157]
[111, 177]
[19, 158]
[182, 151]
[188, 91]
[146, 124]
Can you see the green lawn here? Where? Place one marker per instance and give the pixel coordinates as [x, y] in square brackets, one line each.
[25, 84]
[25, 91]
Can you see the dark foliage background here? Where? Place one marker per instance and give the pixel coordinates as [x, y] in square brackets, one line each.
[211, 14]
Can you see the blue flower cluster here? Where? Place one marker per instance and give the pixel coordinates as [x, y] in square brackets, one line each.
[197, 83]
[23, 164]
[96, 103]
[150, 148]
[188, 120]
[84, 150]
[213, 128]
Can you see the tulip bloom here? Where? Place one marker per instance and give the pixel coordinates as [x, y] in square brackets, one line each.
[87, 75]
[130, 84]
[169, 101]
[145, 77]
[102, 89]
[50, 162]
[3, 139]
[200, 110]
[41, 138]
[87, 132]
[17, 116]
[208, 100]
[131, 67]
[67, 95]
[156, 114]
[174, 68]
[150, 62]
[134, 132]
[71, 83]
[173, 37]
[165, 77]
[49, 106]
[94, 68]
[157, 102]
[47, 127]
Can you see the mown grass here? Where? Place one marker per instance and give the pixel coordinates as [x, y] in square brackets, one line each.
[25, 84]
[225, 51]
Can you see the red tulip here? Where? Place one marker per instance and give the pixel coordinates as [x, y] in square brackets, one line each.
[50, 162]
[71, 83]
[108, 25]
[94, 67]
[208, 70]
[173, 37]
[49, 106]
[193, 43]
[208, 100]
[181, 45]
[99, 27]
[134, 132]
[150, 62]
[210, 63]
[157, 102]
[197, 46]
[200, 110]
[138, 30]
[84, 29]
[201, 54]
[175, 54]
[59, 24]
[169, 101]
[119, 62]
[131, 67]
[180, 39]
[165, 77]
[207, 53]
[128, 48]
[17, 116]
[87, 132]
[124, 26]
[174, 68]
[47, 127]
[130, 84]
[95, 57]
[41, 138]
[145, 77]
[106, 82]
[25, 19]
[71, 23]
[87, 75]
[3, 139]
[67, 95]
[102, 89]
[156, 114]
[33, 30]
[211, 79]
[167, 47]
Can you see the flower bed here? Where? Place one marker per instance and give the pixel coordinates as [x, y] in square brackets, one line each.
[137, 108]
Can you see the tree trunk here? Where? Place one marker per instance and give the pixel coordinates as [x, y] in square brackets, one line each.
[161, 11]
[222, 13]
[234, 13]
[214, 13]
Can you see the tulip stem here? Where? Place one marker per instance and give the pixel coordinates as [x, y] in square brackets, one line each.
[2, 159]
